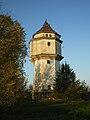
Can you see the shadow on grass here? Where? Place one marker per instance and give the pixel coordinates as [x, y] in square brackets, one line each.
[33, 110]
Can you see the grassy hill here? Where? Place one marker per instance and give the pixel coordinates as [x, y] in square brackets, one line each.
[33, 110]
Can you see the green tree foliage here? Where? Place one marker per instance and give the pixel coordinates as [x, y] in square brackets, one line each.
[12, 53]
[76, 91]
[64, 77]
[66, 85]
[30, 88]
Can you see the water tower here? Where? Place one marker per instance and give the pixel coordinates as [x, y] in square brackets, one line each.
[45, 54]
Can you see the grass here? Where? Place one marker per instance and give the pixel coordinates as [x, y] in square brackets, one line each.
[33, 110]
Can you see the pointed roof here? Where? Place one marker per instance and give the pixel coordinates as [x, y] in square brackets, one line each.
[46, 28]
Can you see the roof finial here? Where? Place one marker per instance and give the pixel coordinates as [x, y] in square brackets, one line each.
[46, 20]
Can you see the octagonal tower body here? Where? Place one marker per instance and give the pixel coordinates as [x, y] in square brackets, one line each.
[45, 53]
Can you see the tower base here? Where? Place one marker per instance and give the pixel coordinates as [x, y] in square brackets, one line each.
[41, 95]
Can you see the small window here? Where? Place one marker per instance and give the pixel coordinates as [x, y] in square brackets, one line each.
[48, 43]
[48, 61]
[50, 35]
[46, 35]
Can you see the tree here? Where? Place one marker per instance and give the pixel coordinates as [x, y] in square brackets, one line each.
[64, 77]
[76, 91]
[66, 85]
[30, 88]
[12, 53]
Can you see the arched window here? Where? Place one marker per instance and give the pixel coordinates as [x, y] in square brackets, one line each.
[50, 35]
[46, 35]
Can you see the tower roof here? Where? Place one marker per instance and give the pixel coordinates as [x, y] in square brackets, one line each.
[46, 28]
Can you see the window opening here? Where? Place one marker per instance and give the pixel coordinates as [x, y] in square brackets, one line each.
[50, 35]
[48, 61]
[46, 35]
[48, 43]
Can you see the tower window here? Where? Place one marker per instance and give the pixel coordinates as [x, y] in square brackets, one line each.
[48, 61]
[48, 43]
[50, 35]
[46, 35]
